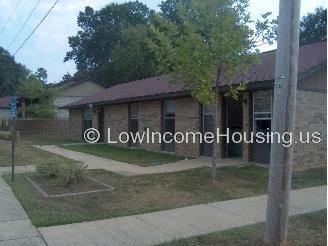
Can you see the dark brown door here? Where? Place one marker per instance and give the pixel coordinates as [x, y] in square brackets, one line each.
[101, 123]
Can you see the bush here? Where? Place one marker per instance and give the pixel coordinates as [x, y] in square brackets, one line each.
[72, 172]
[69, 172]
[49, 168]
[4, 135]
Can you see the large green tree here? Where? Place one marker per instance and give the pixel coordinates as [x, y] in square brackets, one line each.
[101, 34]
[132, 59]
[42, 74]
[11, 73]
[314, 26]
[209, 41]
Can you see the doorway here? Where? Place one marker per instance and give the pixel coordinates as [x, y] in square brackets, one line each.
[101, 123]
[234, 121]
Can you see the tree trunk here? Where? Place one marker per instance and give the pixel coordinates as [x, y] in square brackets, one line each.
[215, 125]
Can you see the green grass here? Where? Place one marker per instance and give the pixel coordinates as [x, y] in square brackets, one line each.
[148, 193]
[128, 155]
[26, 154]
[304, 230]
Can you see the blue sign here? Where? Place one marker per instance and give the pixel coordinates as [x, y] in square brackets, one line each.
[13, 107]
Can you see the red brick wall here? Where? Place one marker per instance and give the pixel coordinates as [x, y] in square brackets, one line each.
[58, 129]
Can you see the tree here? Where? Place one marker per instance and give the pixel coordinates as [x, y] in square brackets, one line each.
[101, 33]
[169, 9]
[42, 74]
[314, 27]
[67, 77]
[11, 73]
[132, 59]
[40, 98]
[211, 41]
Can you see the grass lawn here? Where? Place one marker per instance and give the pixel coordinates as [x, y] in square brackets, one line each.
[26, 154]
[152, 192]
[304, 230]
[133, 156]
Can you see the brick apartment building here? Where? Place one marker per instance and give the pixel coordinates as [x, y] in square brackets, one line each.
[160, 105]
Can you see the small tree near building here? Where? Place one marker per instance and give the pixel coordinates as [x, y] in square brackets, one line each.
[209, 41]
[39, 98]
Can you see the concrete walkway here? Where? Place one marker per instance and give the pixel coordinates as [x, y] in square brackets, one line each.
[95, 162]
[159, 227]
[18, 169]
[15, 226]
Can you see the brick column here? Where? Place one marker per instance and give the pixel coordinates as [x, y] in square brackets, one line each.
[247, 117]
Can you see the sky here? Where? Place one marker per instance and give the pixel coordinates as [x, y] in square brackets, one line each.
[48, 45]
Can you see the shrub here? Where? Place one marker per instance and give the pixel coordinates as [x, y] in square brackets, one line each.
[69, 172]
[72, 172]
[4, 135]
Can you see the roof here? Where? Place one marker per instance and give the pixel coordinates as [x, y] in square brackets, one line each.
[74, 82]
[310, 57]
[5, 102]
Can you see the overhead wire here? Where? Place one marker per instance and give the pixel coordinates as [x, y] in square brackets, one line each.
[10, 16]
[37, 26]
[24, 24]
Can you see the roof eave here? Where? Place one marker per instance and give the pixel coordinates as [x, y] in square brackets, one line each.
[131, 100]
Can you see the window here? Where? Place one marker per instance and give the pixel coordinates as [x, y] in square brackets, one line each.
[133, 121]
[169, 124]
[262, 111]
[207, 126]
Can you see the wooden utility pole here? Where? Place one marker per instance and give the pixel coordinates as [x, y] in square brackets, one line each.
[284, 106]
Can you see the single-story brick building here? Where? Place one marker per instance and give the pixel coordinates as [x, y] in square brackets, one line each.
[160, 105]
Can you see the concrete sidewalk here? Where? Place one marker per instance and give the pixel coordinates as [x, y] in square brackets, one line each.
[18, 169]
[162, 226]
[15, 226]
[95, 162]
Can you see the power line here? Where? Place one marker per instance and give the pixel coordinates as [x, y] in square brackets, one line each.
[36, 27]
[25, 22]
[10, 16]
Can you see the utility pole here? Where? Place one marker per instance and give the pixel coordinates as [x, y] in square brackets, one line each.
[284, 106]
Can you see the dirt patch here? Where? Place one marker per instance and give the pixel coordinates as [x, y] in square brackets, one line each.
[53, 187]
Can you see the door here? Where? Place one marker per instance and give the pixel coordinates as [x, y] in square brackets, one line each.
[234, 121]
[207, 126]
[101, 123]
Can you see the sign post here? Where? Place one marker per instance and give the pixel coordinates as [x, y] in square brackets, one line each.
[13, 111]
